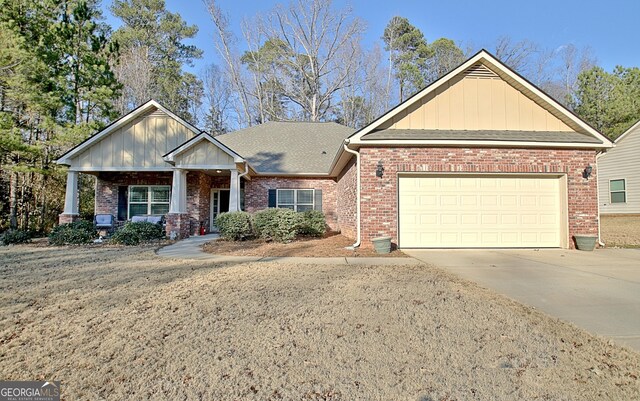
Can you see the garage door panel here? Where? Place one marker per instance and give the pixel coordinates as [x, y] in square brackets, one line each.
[476, 211]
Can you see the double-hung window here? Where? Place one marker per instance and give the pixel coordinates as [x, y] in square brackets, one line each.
[299, 200]
[149, 199]
[618, 191]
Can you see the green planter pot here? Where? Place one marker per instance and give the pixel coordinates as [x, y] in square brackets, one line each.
[382, 244]
[586, 242]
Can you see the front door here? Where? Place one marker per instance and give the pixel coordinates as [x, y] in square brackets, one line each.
[219, 204]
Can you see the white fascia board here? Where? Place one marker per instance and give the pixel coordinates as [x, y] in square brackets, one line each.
[65, 158]
[120, 169]
[484, 144]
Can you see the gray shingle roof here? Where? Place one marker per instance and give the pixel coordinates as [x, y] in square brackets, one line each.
[288, 147]
[489, 135]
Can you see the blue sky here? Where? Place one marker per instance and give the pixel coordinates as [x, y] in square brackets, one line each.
[608, 27]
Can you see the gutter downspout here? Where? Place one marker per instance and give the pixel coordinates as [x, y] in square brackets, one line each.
[602, 244]
[346, 148]
[246, 171]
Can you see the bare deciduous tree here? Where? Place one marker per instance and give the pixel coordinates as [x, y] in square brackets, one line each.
[217, 95]
[134, 71]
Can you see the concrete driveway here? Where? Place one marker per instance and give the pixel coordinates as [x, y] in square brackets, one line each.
[598, 291]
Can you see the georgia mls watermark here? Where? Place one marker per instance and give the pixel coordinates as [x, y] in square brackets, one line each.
[29, 391]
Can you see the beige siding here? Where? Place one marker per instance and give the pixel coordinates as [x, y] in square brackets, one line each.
[140, 143]
[477, 103]
[621, 162]
[203, 154]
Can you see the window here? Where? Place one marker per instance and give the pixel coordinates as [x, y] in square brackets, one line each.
[299, 200]
[617, 189]
[153, 199]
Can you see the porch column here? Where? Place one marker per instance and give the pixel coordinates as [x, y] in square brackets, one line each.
[71, 196]
[178, 192]
[234, 192]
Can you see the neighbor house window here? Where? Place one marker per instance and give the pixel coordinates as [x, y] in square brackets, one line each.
[299, 200]
[618, 191]
[149, 199]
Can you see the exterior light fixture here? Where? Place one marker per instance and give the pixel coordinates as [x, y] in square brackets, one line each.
[379, 169]
[218, 171]
[586, 173]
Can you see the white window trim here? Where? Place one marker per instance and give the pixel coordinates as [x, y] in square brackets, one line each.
[295, 197]
[624, 180]
[148, 202]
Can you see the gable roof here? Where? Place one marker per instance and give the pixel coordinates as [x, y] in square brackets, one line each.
[289, 148]
[512, 78]
[203, 136]
[627, 132]
[139, 111]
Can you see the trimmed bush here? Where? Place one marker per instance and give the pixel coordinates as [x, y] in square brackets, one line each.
[234, 226]
[135, 233]
[78, 232]
[16, 237]
[280, 225]
[314, 224]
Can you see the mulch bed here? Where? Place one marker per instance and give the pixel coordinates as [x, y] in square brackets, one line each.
[332, 245]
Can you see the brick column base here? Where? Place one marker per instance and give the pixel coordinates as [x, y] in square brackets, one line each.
[67, 218]
[178, 225]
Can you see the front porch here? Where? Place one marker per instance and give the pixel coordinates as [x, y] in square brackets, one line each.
[190, 199]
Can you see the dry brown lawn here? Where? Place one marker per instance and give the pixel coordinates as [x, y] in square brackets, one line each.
[332, 245]
[623, 231]
[122, 323]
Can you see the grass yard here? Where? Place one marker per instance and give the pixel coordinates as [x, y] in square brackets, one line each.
[122, 323]
[619, 230]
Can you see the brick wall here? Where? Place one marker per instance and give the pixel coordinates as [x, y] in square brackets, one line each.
[257, 193]
[379, 209]
[107, 187]
[198, 194]
[346, 199]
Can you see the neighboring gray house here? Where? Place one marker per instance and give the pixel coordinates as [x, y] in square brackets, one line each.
[618, 180]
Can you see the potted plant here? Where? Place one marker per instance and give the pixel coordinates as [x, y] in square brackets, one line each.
[586, 242]
[382, 244]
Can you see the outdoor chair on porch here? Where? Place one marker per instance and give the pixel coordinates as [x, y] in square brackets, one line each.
[158, 219]
[105, 222]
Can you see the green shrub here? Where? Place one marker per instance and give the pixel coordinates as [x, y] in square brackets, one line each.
[314, 224]
[234, 225]
[281, 225]
[135, 233]
[16, 237]
[78, 232]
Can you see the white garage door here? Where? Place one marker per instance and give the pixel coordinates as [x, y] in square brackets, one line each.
[479, 211]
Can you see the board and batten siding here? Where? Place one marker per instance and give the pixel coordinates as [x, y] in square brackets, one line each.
[477, 100]
[140, 143]
[621, 162]
[204, 153]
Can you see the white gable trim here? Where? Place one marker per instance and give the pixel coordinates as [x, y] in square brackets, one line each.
[203, 136]
[486, 57]
[633, 127]
[65, 158]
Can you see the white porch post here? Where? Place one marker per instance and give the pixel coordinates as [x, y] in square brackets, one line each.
[71, 196]
[234, 192]
[178, 192]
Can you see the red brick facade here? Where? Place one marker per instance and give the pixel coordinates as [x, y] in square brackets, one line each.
[257, 193]
[346, 199]
[107, 187]
[379, 208]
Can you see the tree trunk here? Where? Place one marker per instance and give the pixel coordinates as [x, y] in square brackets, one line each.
[13, 200]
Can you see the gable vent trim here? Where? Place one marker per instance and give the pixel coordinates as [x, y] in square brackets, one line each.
[479, 71]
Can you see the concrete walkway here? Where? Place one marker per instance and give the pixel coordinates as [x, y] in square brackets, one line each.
[598, 291]
[191, 248]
